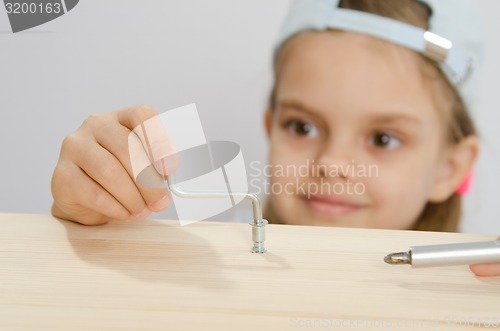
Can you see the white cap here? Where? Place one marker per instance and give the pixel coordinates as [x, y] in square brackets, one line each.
[454, 38]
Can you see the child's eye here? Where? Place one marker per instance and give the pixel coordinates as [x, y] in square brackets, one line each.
[301, 128]
[384, 140]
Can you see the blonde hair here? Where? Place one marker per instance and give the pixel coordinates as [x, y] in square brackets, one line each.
[443, 216]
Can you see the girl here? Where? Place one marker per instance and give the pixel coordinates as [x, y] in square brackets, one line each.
[374, 105]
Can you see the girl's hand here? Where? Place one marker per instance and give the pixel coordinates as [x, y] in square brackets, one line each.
[94, 179]
[490, 269]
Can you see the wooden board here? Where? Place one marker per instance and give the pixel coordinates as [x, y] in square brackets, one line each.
[157, 275]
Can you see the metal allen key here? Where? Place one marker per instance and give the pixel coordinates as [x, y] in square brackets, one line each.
[258, 224]
[158, 133]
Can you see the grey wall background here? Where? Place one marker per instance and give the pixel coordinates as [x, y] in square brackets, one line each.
[104, 55]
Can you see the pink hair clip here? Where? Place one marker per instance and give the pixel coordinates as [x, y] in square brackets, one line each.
[465, 185]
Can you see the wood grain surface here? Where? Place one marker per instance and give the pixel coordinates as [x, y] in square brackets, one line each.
[158, 275]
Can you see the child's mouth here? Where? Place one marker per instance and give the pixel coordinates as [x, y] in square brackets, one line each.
[331, 205]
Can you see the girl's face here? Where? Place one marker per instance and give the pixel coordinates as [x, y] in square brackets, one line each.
[356, 139]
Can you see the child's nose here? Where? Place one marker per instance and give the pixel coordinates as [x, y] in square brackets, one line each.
[336, 159]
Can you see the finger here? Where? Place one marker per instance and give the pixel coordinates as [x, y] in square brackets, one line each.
[84, 200]
[132, 117]
[105, 169]
[487, 269]
[128, 150]
[147, 125]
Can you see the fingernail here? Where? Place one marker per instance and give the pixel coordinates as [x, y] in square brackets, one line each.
[160, 204]
[143, 214]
